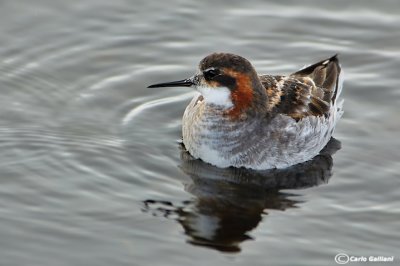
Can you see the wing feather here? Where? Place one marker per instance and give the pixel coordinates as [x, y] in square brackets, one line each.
[309, 91]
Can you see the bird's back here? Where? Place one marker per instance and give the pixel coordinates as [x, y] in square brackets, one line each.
[311, 91]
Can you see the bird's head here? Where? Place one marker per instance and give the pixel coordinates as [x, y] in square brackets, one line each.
[225, 81]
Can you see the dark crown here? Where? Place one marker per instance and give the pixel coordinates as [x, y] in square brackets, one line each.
[226, 60]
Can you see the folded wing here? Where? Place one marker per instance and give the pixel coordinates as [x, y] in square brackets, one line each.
[309, 91]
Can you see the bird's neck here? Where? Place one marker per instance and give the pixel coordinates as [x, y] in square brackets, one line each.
[249, 99]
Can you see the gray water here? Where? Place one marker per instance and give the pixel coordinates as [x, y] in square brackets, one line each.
[91, 171]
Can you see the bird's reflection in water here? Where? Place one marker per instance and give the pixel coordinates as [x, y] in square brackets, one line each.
[230, 202]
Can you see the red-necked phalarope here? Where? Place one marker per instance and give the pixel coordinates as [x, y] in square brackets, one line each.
[243, 119]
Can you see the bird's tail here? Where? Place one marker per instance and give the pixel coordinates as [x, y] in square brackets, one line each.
[327, 75]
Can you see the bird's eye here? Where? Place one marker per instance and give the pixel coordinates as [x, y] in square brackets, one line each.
[210, 73]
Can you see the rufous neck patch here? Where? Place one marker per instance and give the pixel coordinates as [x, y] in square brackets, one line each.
[242, 95]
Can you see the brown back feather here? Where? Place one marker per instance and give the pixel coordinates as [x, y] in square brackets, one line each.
[309, 91]
[325, 75]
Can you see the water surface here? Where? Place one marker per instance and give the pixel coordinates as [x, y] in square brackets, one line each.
[92, 173]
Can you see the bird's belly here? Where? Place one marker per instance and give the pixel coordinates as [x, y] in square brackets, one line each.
[279, 144]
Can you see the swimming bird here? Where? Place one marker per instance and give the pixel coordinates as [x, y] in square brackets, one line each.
[241, 119]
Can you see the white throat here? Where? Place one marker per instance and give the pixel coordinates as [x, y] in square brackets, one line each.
[220, 96]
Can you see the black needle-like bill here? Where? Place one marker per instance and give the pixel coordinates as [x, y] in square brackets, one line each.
[179, 83]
